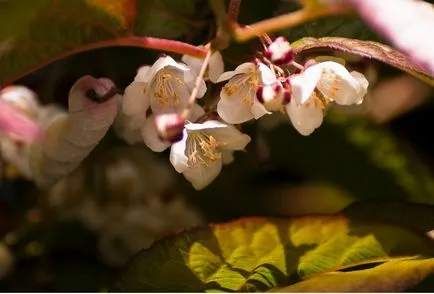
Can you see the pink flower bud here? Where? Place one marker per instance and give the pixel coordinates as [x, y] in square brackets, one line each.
[280, 51]
[271, 96]
[169, 127]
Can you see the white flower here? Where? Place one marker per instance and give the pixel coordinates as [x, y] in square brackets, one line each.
[203, 150]
[238, 101]
[150, 134]
[163, 88]
[215, 68]
[319, 85]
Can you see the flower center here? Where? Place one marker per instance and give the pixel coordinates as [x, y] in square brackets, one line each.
[248, 83]
[202, 148]
[329, 84]
[165, 88]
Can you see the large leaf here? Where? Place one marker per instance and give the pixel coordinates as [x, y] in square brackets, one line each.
[62, 28]
[364, 159]
[393, 276]
[260, 254]
[367, 49]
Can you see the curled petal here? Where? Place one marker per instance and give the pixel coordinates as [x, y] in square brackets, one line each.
[70, 138]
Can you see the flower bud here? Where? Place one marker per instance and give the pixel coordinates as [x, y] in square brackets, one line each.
[169, 127]
[280, 51]
[271, 96]
[287, 92]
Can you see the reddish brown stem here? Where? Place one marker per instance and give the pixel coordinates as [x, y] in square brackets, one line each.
[141, 42]
[234, 9]
[284, 21]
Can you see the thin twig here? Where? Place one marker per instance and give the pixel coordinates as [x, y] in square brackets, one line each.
[197, 83]
[284, 21]
[141, 42]
[234, 9]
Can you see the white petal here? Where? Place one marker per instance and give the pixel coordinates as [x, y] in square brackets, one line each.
[233, 110]
[258, 110]
[227, 156]
[205, 126]
[196, 112]
[202, 89]
[193, 62]
[266, 74]
[216, 67]
[177, 154]
[134, 100]
[304, 84]
[202, 175]
[230, 137]
[150, 136]
[337, 83]
[141, 73]
[363, 85]
[241, 69]
[304, 118]
[161, 63]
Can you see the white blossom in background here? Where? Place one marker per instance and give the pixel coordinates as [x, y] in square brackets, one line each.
[319, 85]
[164, 87]
[126, 206]
[238, 102]
[215, 68]
[204, 148]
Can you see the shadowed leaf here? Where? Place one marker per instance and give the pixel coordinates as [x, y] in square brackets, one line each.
[62, 28]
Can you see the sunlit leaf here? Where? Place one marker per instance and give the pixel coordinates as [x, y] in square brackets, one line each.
[260, 254]
[393, 276]
[367, 49]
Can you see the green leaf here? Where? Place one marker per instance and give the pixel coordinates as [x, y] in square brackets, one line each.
[261, 254]
[62, 28]
[393, 276]
[364, 159]
[367, 49]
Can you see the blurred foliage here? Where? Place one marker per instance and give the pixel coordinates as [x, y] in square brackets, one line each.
[380, 175]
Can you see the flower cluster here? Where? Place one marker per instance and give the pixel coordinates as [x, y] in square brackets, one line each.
[160, 107]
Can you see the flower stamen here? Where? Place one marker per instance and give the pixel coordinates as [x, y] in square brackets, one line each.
[202, 149]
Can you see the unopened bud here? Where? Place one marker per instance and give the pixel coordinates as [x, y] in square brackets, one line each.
[287, 92]
[169, 127]
[271, 96]
[280, 51]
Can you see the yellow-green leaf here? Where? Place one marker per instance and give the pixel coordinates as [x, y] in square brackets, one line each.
[393, 276]
[368, 49]
[261, 254]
